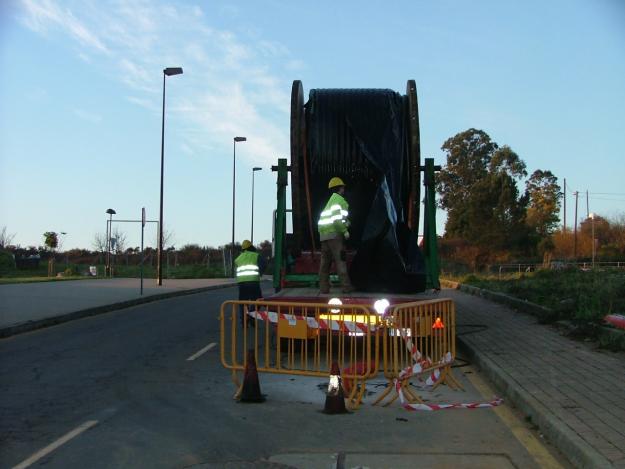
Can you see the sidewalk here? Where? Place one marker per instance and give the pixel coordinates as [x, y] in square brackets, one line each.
[573, 393]
[28, 306]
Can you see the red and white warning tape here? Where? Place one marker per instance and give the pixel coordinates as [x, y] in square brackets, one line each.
[314, 323]
[423, 363]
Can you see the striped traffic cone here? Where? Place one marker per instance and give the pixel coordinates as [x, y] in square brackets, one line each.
[250, 391]
[335, 398]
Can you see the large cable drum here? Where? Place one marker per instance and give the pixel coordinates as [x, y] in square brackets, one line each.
[370, 139]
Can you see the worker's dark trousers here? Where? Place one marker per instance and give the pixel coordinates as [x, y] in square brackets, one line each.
[249, 291]
[332, 249]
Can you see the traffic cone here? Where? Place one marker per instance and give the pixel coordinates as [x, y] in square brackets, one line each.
[250, 391]
[335, 398]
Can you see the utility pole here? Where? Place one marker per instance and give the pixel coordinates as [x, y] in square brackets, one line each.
[564, 225]
[576, 193]
[587, 209]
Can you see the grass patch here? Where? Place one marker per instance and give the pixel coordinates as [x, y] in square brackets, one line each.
[8, 280]
[79, 272]
[583, 297]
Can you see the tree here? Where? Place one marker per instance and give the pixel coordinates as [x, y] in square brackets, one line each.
[118, 241]
[478, 188]
[99, 242]
[51, 240]
[544, 196]
[5, 238]
[168, 238]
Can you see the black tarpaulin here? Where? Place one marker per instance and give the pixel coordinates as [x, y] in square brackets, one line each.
[361, 136]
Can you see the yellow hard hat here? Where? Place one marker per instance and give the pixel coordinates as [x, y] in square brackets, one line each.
[246, 244]
[335, 182]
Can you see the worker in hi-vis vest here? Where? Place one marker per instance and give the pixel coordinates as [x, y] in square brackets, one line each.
[333, 231]
[249, 266]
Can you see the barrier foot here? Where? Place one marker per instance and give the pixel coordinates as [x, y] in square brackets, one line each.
[237, 384]
[386, 392]
[452, 379]
[356, 395]
[411, 396]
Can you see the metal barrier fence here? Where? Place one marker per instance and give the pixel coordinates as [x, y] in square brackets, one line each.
[302, 339]
[420, 343]
[305, 338]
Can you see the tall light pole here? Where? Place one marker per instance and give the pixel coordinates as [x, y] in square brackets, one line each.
[159, 272]
[107, 268]
[592, 218]
[234, 167]
[63, 233]
[253, 172]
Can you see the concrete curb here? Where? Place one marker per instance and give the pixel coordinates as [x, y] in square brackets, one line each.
[580, 453]
[577, 451]
[523, 305]
[83, 313]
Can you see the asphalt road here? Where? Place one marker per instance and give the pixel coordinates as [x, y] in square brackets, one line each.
[118, 390]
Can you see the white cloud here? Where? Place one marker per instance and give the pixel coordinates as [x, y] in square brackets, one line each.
[231, 85]
[295, 65]
[44, 12]
[88, 116]
[144, 103]
[37, 94]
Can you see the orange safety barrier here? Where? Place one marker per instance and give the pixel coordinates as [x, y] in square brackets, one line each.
[302, 339]
[419, 344]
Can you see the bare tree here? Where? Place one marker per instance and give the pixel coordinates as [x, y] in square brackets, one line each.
[169, 238]
[120, 240]
[99, 242]
[5, 238]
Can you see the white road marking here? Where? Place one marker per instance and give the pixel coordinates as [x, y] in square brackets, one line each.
[201, 352]
[52, 446]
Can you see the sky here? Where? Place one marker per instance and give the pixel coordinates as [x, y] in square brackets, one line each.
[82, 82]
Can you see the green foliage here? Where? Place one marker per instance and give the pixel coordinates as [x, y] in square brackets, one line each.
[478, 188]
[544, 195]
[584, 297]
[51, 240]
[181, 271]
[7, 262]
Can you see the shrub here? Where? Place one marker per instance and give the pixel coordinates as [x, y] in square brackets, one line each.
[7, 262]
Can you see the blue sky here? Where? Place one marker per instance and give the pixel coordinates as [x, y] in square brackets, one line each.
[81, 97]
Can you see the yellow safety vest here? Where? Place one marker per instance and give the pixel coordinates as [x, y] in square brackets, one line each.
[247, 267]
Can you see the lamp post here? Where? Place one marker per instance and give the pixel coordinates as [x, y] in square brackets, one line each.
[592, 218]
[159, 271]
[234, 164]
[63, 233]
[107, 268]
[253, 172]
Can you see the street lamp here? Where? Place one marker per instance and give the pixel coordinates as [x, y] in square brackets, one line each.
[107, 268]
[63, 233]
[592, 218]
[253, 172]
[166, 73]
[234, 163]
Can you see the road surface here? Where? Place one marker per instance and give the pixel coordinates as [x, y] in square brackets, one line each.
[144, 387]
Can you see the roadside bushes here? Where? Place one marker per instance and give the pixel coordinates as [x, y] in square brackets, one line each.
[584, 297]
[7, 261]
